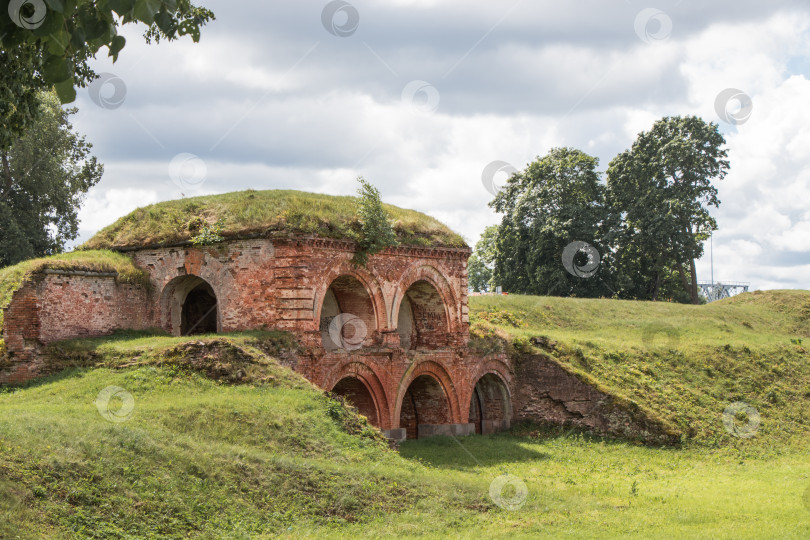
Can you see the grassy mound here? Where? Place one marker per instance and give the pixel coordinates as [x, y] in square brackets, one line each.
[153, 446]
[11, 277]
[212, 437]
[682, 364]
[259, 213]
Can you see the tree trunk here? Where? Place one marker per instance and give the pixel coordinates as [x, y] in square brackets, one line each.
[656, 286]
[694, 291]
[684, 281]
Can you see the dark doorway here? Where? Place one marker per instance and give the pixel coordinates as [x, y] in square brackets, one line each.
[200, 311]
[490, 406]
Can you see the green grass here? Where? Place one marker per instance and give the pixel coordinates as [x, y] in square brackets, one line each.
[261, 213]
[11, 277]
[271, 456]
[195, 456]
[681, 364]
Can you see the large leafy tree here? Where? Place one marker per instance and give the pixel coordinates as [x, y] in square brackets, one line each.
[557, 200]
[662, 189]
[482, 261]
[43, 179]
[47, 43]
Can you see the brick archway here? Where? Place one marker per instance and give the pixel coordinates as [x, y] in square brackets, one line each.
[188, 305]
[365, 374]
[490, 404]
[424, 403]
[357, 393]
[438, 281]
[436, 372]
[344, 269]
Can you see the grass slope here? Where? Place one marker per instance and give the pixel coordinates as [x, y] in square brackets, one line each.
[223, 441]
[11, 277]
[682, 364]
[264, 212]
[196, 456]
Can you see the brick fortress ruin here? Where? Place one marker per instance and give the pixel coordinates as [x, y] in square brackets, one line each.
[391, 337]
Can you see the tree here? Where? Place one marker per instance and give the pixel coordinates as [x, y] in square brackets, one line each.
[45, 176]
[557, 200]
[46, 44]
[376, 232]
[482, 261]
[662, 188]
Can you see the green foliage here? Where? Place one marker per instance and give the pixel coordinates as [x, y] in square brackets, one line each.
[50, 48]
[271, 212]
[659, 192]
[499, 317]
[209, 234]
[647, 224]
[43, 179]
[482, 261]
[376, 232]
[557, 200]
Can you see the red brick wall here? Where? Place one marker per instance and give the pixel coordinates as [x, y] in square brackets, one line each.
[77, 306]
[282, 283]
[356, 393]
[52, 305]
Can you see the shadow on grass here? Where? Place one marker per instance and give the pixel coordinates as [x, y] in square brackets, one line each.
[522, 443]
[70, 372]
[469, 452]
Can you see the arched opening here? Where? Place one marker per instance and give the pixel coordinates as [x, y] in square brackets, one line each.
[423, 403]
[355, 392]
[199, 314]
[422, 318]
[189, 306]
[347, 315]
[490, 405]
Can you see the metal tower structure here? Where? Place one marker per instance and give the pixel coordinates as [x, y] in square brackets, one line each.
[712, 291]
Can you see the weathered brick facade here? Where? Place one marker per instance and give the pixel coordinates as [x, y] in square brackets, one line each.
[391, 336]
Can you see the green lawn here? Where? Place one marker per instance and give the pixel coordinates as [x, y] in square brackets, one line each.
[147, 439]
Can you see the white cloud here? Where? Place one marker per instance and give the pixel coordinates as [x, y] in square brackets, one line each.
[269, 99]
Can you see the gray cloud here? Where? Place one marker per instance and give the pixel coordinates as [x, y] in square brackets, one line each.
[270, 99]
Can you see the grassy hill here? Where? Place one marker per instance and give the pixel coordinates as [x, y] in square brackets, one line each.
[261, 213]
[209, 438]
[213, 437]
[682, 364]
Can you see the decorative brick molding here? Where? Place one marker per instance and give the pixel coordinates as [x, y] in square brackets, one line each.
[406, 367]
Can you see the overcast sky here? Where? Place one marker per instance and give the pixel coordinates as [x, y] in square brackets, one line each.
[419, 96]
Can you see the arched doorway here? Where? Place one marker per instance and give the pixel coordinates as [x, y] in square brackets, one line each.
[425, 402]
[490, 405]
[347, 315]
[356, 393]
[422, 318]
[189, 306]
[199, 315]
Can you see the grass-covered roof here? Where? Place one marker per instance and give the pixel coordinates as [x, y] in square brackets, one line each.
[259, 213]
